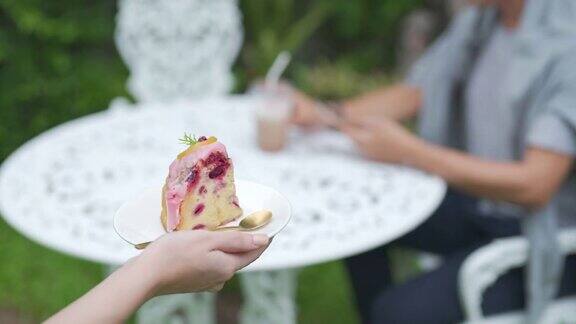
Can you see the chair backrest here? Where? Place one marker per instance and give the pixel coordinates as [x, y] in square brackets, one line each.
[178, 48]
[485, 265]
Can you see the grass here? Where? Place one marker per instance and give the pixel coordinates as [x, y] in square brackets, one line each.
[37, 282]
[324, 295]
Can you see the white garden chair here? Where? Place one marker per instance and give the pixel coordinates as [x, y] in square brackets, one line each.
[483, 267]
[178, 49]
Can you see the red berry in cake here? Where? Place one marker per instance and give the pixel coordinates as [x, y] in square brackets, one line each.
[192, 179]
[217, 158]
[192, 176]
[199, 227]
[199, 209]
[218, 171]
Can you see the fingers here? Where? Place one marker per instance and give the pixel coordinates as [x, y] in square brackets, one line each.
[216, 288]
[305, 113]
[327, 117]
[241, 260]
[237, 242]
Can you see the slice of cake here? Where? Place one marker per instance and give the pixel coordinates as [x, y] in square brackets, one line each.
[199, 192]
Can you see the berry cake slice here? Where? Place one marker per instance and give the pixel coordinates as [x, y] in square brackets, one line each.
[199, 192]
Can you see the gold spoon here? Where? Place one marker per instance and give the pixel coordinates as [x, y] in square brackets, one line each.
[251, 222]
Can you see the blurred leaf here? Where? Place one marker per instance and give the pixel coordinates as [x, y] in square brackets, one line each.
[282, 20]
[328, 80]
[303, 28]
[274, 26]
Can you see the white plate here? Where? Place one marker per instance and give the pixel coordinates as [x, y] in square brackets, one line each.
[138, 220]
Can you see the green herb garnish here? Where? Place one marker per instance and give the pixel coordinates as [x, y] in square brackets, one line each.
[188, 139]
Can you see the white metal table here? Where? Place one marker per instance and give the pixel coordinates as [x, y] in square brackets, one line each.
[62, 188]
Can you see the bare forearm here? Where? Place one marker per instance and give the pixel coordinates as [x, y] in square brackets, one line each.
[399, 102]
[530, 182]
[177, 262]
[494, 180]
[113, 300]
[526, 182]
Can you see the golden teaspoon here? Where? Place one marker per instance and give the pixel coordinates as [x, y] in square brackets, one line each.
[250, 222]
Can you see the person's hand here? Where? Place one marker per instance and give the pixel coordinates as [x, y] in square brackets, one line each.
[192, 261]
[383, 140]
[307, 110]
[179, 262]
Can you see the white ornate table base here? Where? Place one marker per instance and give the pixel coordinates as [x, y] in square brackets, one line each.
[179, 309]
[269, 297]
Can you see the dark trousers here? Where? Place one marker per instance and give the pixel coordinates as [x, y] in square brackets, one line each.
[454, 231]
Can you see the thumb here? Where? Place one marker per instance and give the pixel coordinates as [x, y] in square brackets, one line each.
[237, 242]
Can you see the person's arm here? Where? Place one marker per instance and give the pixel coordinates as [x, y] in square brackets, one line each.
[530, 182]
[397, 102]
[113, 300]
[188, 261]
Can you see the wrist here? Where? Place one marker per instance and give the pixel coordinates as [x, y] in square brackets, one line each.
[342, 108]
[146, 277]
[432, 159]
[416, 154]
[335, 106]
[328, 113]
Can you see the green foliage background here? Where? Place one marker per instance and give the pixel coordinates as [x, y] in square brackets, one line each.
[58, 62]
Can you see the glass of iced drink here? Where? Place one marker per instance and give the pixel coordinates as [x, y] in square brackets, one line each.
[273, 112]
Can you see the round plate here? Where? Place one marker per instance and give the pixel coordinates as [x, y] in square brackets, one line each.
[138, 220]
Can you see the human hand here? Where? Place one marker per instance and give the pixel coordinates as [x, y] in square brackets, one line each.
[308, 112]
[179, 262]
[383, 140]
[193, 261]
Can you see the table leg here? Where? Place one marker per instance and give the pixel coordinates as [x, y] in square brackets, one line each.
[269, 297]
[177, 309]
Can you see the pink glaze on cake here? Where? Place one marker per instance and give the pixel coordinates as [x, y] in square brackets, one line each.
[177, 187]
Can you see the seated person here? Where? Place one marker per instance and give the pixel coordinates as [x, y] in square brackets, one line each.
[496, 101]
